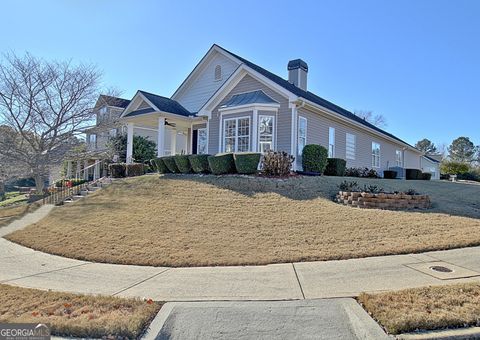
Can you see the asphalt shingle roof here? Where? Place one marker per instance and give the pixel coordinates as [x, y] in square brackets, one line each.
[311, 96]
[114, 101]
[166, 104]
[140, 112]
[254, 97]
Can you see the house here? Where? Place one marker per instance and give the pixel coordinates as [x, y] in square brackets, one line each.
[229, 104]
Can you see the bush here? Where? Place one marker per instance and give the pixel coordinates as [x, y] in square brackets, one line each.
[349, 186]
[69, 182]
[247, 163]
[454, 168]
[413, 174]
[170, 164]
[469, 176]
[314, 158]
[134, 169]
[160, 166]
[117, 170]
[221, 164]
[182, 163]
[426, 176]
[335, 167]
[199, 163]
[361, 172]
[389, 174]
[353, 172]
[277, 163]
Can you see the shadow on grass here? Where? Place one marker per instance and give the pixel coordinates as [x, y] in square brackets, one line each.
[456, 199]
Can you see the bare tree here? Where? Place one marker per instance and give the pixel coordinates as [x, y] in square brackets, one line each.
[43, 106]
[375, 119]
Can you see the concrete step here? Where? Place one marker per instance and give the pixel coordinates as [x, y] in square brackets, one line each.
[84, 192]
[77, 197]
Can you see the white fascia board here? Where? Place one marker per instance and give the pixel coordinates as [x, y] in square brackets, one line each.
[250, 107]
[356, 124]
[129, 106]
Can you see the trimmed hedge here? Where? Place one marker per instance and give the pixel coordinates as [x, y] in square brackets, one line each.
[314, 158]
[160, 166]
[183, 164]
[221, 164]
[199, 163]
[134, 169]
[117, 170]
[170, 164]
[65, 183]
[413, 174]
[426, 176]
[247, 162]
[389, 174]
[335, 167]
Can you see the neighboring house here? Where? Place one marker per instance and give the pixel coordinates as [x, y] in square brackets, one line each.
[229, 104]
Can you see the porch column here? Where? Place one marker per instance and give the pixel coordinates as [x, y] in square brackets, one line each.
[69, 169]
[161, 137]
[79, 169]
[85, 170]
[255, 130]
[96, 170]
[173, 143]
[129, 142]
[190, 139]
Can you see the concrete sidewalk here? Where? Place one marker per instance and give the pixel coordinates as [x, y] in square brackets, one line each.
[308, 280]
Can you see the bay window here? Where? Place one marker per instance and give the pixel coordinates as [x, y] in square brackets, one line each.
[236, 132]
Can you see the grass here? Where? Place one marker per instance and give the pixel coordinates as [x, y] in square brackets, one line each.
[187, 220]
[14, 197]
[428, 308]
[73, 315]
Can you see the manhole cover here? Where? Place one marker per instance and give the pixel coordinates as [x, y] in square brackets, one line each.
[441, 269]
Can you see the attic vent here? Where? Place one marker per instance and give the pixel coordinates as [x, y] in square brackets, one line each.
[218, 72]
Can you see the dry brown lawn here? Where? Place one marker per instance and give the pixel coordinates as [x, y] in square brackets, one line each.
[75, 315]
[10, 213]
[425, 308]
[180, 220]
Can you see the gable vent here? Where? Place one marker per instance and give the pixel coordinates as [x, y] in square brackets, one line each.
[218, 72]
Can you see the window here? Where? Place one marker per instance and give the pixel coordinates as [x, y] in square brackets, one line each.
[113, 132]
[202, 141]
[236, 134]
[92, 140]
[302, 135]
[265, 133]
[350, 146]
[375, 155]
[218, 72]
[399, 158]
[331, 142]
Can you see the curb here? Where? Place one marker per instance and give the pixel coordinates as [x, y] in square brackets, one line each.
[460, 333]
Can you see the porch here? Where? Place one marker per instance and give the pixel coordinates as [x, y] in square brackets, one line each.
[173, 134]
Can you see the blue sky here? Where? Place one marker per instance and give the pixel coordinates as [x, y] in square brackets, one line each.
[415, 62]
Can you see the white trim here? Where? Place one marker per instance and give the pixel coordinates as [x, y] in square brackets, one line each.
[130, 127]
[145, 128]
[255, 142]
[236, 132]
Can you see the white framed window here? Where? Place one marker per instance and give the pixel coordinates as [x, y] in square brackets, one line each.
[218, 72]
[399, 158]
[236, 132]
[301, 134]
[202, 141]
[92, 140]
[375, 155]
[350, 146]
[113, 132]
[331, 142]
[266, 126]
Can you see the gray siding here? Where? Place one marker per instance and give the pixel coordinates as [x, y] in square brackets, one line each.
[282, 119]
[318, 130]
[205, 85]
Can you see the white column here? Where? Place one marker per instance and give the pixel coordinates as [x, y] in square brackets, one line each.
[69, 169]
[190, 139]
[161, 137]
[96, 170]
[173, 143]
[255, 131]
[79, 169]
[85, 171]
[129, 142]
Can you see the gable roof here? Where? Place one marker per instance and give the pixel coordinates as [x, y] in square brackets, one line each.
[431, 159]
[112, 101]
[311, 96]
[254, 97]
[161, 104]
